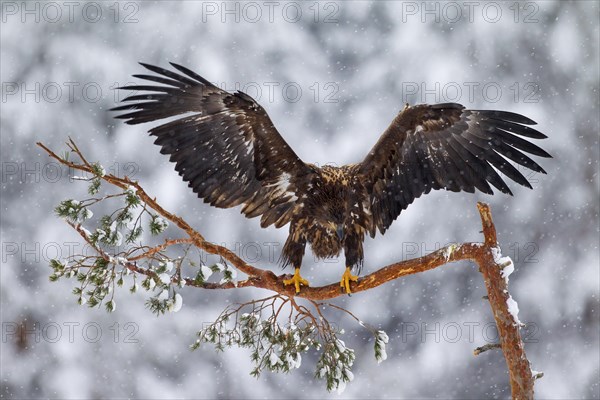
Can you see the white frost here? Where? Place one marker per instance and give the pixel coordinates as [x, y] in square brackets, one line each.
[382, 356]
[87, 213]
[206, 272]
[448, 251]
[220, 266]
[382, 339]
[119, 240]
[162, 223]
[508, 267]
[536, 374]
[232, 270]
[101, 233]
[323, 371]
[513, 309]
[165, 278]
[294, 361]
[176, 304]
[163, 295]
[121, 260]
[349, 374]
[273, 359]
[382, 336]
[169, 265]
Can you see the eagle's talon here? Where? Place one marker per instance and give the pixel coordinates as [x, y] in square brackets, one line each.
[296, 280]
[346, 278]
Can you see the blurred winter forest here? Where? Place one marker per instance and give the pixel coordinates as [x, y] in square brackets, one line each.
[331, 75]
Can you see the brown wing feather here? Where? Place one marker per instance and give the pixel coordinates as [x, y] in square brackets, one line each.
[227, 148]
[445, 146]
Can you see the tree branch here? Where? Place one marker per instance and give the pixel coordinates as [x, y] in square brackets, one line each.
[485, 254]
[521, 378]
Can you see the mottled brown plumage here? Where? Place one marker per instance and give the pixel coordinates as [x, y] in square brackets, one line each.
[229, 152]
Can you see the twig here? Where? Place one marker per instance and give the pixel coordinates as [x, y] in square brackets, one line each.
[486, 347]
[154, 250]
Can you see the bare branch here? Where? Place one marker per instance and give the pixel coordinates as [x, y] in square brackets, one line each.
[521, 379]
[485, 348]
[157, 249]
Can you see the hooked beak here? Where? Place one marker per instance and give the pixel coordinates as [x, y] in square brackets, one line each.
[340, 231]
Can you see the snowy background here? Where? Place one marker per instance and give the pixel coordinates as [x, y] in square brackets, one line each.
[331, 75]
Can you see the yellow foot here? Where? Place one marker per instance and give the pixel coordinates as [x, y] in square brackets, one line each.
[296, 280]
[346, 278]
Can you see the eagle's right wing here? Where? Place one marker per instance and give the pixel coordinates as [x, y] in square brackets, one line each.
[226, 148]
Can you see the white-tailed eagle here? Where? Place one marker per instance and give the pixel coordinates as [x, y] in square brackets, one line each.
[231, 154]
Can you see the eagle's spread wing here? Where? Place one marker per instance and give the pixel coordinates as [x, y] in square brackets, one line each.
[225, 147]
[445, 146]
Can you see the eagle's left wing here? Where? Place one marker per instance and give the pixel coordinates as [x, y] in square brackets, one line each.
[223, 144]
[445, 146]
